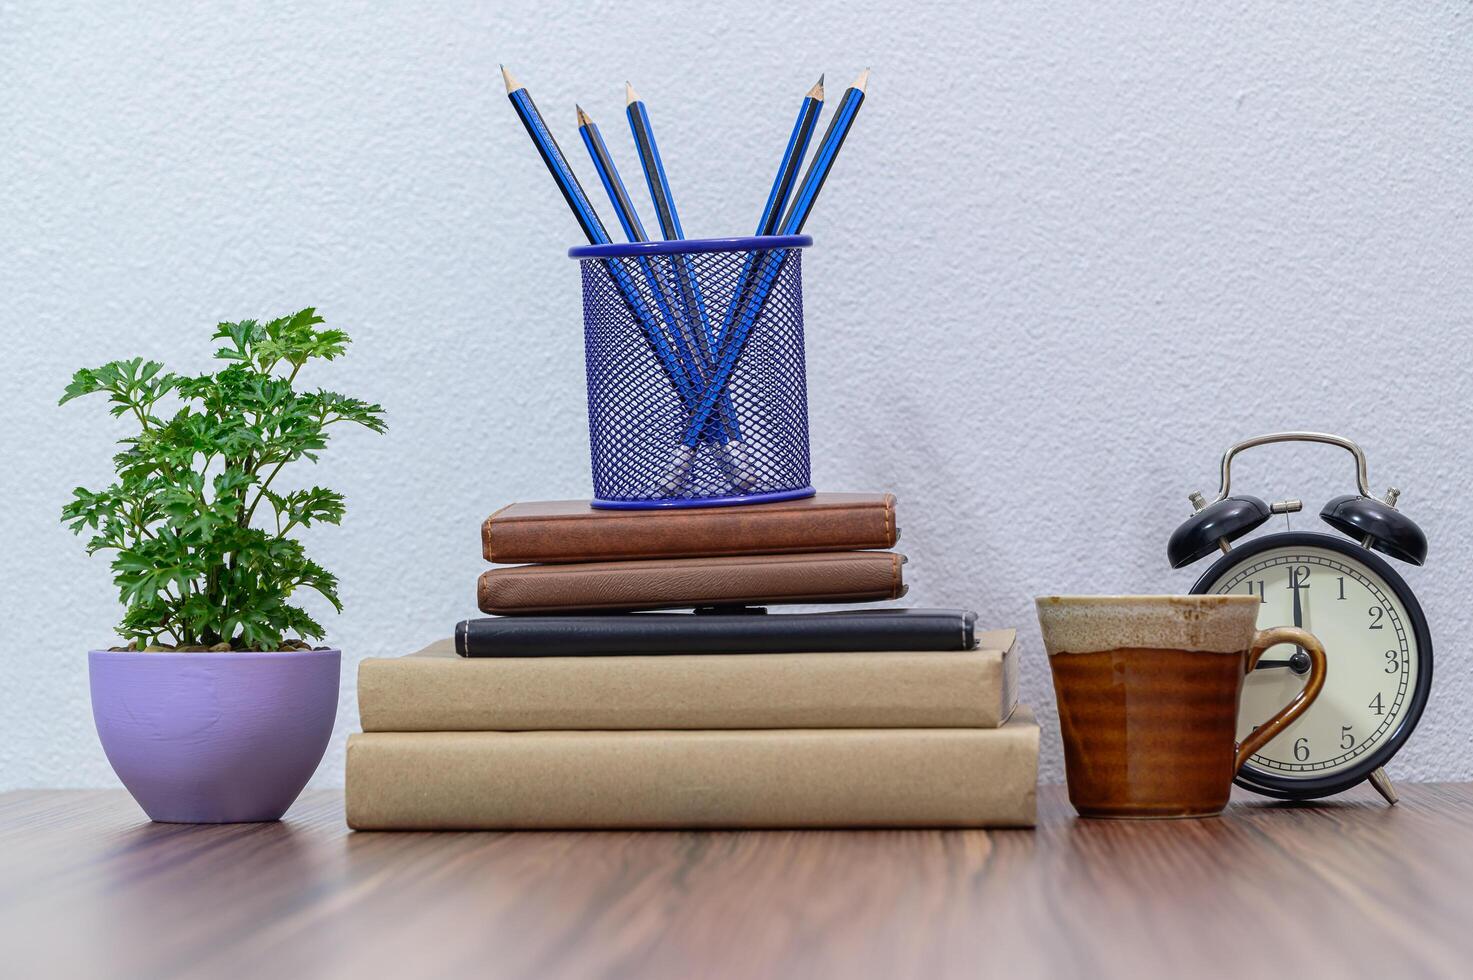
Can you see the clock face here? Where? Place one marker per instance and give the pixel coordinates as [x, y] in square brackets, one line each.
[1372, 648]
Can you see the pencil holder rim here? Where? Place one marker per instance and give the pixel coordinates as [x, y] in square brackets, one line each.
[695, 503]
[750, 243]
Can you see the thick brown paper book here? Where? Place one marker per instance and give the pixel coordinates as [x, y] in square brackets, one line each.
[759, 580]
[572, 531]
[436, 690]
[898, 777]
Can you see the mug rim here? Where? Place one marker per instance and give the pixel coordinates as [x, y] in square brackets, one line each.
[1142, 600]
[1088, 624]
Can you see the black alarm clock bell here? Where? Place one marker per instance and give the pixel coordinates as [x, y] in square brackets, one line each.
[1372, 626]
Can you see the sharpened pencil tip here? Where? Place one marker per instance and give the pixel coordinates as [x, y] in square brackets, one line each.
[817, 91]
[629, 95]
[583, 119]
[862, 80]
[511, 83]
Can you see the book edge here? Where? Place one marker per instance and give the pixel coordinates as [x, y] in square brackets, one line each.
[380, 674]
[887, 504]
[1020, 811]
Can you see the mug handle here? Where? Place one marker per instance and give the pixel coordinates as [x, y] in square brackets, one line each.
[1262, 640]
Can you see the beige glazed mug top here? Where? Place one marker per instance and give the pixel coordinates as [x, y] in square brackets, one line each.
[1088, 624]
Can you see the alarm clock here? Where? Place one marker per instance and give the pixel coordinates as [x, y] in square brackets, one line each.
[1336, 586]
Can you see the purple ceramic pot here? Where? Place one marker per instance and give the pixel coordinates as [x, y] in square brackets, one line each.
[214, 737]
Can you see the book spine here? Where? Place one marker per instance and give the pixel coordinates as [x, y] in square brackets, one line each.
[965, 689]
[718, 531]
[860, 576]
[650, 780]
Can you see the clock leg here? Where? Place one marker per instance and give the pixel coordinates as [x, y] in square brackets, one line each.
[1382, 782]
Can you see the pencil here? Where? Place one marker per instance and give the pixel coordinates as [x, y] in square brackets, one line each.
[769, 267]
[653, 165]
[608, 172]
[782, 186]
[593, 229]
[787, 169]
[665, 213]
[823, 158]
[669, 220]
[557, 164]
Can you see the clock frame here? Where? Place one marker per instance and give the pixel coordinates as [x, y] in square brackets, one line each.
[1314, 787]
[1372, 523]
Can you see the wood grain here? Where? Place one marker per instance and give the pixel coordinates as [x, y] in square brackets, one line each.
[1345, 888]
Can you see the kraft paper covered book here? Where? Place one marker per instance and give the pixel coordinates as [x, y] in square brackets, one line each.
[572, 531]
[938, 777]
[436, 690]
[752, 580]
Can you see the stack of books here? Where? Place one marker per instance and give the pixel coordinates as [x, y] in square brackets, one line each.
[569, 557]
[573, 709]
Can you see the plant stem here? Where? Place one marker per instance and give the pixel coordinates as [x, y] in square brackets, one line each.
[260, 491]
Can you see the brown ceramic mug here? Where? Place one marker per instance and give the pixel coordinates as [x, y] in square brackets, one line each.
[1148, 690]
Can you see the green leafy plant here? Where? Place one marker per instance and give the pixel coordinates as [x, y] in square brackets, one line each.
[202, 533]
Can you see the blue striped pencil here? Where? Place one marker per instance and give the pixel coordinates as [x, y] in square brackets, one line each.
[792, 161]
[624, 209]
[782, 186]
[669, 218]
[608, 173]
[690, 289]
[552, 156]
[823, 159]
[652, 164]
[769, 267]
[594, 230]
[603, 162]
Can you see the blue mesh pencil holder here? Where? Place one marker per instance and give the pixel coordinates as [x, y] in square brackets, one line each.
[697, 393]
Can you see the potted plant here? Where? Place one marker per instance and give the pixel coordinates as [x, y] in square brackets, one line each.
[218, 709]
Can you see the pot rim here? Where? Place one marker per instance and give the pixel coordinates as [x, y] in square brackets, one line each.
[236, 655]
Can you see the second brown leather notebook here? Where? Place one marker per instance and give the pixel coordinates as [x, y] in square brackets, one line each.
[572, 531]
[847, 576]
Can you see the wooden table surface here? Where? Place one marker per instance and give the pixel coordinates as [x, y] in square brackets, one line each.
[1345, 888]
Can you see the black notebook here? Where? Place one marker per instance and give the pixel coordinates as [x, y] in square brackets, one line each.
[859, 630]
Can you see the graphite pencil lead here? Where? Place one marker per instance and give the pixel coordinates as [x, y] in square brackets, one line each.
[583, 119]
[817, 91]
[629, 97]
[862, 81]
[511, 83]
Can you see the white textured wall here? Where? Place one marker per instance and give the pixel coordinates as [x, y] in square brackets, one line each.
[1072, 250]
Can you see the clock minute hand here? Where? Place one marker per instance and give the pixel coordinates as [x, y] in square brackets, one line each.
[1299, 663]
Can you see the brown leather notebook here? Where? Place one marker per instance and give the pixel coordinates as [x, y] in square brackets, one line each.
[848, 576]
[571, 531]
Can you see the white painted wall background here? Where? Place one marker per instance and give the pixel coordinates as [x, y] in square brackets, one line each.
[1071, 252]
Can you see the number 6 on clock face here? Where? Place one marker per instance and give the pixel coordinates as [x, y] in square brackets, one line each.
[1378, 650]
